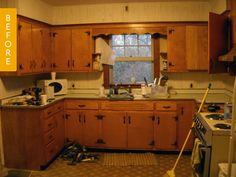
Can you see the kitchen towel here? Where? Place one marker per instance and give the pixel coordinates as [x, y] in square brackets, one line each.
[195, 158]
[107, 55]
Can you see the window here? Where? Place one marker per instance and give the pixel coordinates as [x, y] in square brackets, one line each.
[134, 59]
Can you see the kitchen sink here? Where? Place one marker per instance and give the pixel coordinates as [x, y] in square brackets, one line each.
[121, 97]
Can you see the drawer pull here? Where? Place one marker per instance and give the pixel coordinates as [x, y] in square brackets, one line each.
[166, 107]
[81, 105]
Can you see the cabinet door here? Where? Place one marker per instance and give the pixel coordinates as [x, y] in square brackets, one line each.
[140, 130]
[186, 110]
[218, 41]
[176, 48]
[166, 131]
[24, 47]
[46, 49]
[196, 47]
[61, 50]
[90, 128]
[73, 126]
[59, 130]
[114, 129]
[81, 50]
[36, 60]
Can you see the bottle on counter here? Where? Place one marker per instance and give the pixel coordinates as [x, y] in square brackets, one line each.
[227, 110]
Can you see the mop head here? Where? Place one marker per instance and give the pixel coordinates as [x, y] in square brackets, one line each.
[169, 173]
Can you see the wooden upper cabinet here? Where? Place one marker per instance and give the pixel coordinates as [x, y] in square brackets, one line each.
[197, 47]
[33, 47]
[218, 41]
[46, 49]
[61, 49]
[24, 47]
[176, 48]
[36, 60]
[72, 50]
[81, 50]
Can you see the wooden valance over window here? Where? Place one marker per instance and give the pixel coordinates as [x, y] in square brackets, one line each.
[128, 30]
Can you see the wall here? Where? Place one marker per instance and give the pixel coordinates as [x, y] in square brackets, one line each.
[137, 12]
[218, 6]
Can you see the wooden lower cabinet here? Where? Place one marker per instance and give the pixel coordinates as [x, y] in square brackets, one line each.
[114, 129]
[32, 137]
[140, 130]
[129, 130]
[186, 110]
[82, 126]
[165, 129]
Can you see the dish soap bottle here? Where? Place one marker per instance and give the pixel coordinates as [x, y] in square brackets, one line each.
[226, 110]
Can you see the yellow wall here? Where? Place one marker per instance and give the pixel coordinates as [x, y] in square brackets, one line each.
[218, 6]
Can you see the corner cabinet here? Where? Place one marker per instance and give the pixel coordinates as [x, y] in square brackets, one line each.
[34, 47]
[72, 49]
[32, 137]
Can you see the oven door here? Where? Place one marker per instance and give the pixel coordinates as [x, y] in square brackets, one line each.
[202, 169]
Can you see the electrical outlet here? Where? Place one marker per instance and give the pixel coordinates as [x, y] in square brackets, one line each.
[191, 85]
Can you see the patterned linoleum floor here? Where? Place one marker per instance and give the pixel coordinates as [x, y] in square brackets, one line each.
[60, 168]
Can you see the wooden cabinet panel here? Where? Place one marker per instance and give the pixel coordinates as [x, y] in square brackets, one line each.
[59, 130]
[81, 50]
[197, 47]
[24, 47]
[90, 128]
[35, 62]
[49, 137]
[114, 129]
[73, 126]
[46, 61]
[166, 130]
[176, 48]
[61, 49]
[218, 41]
[81, 104]
[140, 129]
[186, 110]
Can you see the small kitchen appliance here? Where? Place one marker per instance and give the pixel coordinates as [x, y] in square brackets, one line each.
[59, 85]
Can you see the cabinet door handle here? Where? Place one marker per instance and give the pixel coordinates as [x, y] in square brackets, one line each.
[88, 65]
[158, 120]
[84, 119]
[166, 107]
[73, 63]
[68, 63]
[124, 119]
[129, 120]
[79, 118]
[81, 105]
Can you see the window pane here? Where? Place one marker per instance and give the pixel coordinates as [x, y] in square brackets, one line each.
[145, 51]
[124, 71]
[119, 51]
[117, 39]
[145, 39]
[131, 51]
[131, 39]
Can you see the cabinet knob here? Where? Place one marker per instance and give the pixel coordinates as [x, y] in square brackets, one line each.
[21, 67]
[171, 31]
[88, 65]
[171, 64]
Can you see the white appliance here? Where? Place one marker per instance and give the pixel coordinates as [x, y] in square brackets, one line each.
[60, 85]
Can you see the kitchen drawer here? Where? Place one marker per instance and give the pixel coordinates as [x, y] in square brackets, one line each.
[49, 111]
[166, 106]
[48, 124]
[50, 151]
[49, 137]
[81, 104]
[127, 105]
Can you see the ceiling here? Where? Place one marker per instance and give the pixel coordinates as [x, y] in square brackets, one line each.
[79, 2]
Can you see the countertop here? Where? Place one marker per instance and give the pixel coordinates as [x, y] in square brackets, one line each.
[211, 98]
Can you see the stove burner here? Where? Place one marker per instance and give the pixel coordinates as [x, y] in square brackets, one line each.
[215, 116]
[222, 126]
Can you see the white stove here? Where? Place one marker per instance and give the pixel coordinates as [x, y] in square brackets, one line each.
[213, 132]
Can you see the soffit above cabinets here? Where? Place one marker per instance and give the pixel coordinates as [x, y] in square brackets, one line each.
[81, 2]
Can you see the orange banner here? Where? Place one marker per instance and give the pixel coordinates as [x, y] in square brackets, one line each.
[8, 39]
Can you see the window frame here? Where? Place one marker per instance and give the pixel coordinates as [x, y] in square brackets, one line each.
[156, 63]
